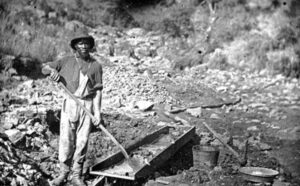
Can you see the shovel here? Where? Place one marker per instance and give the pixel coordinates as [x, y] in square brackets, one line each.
[134, 164]
[243, 160]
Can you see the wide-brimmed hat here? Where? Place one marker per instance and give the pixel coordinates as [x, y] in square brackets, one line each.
[80, 37]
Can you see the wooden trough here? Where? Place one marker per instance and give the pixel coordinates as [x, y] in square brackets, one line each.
[152, 151]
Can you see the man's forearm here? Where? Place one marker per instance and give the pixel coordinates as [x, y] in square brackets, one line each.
[97, 103]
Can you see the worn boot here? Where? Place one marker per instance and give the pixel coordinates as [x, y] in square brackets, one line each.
[77, 179]
[63, 176]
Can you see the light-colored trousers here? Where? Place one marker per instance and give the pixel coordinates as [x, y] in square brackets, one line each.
[75, 127]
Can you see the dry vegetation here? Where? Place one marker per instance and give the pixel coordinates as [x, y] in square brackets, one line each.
[25, 33]
[252, 34]
[41, 29]
[239, 35]
[263, 36]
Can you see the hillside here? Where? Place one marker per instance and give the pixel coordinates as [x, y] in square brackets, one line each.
[232, 64]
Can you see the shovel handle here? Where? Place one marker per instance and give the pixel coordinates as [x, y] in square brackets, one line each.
[223, 142]
[114, 140]
[93, 118]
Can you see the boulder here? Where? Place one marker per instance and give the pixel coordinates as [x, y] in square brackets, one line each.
[7, 125]
[15, 136]
[10, 122]
[29, 84]
[144, 105]
[12, 72]
[52, 15]
[41, 13]
[197, 112]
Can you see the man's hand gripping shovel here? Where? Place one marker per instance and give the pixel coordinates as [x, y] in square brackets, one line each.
[134, 164]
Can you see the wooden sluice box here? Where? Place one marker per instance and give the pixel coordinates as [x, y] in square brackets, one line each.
[151, 152]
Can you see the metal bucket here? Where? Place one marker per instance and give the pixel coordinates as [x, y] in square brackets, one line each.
[205, 156]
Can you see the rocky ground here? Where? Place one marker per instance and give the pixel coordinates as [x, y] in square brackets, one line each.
[141, 86]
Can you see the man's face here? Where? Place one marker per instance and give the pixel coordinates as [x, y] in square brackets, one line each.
[83, 47]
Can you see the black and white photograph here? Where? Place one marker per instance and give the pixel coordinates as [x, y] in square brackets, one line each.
[149, 93]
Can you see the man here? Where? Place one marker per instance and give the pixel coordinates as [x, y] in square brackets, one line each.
[82, 76]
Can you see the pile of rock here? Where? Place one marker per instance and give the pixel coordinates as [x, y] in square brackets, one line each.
[131, 63]
[25, 137]
[16, 165]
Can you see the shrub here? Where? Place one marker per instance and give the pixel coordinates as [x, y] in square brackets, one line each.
[218, 60]
[174, 20]
[285, 61]
[24, 35]
[248, 51]
[187, 60]
[287, 36]
[232, 22]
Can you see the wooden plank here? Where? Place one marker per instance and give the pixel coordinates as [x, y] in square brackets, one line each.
[99, 181]
[101, 173]
[159, 159]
